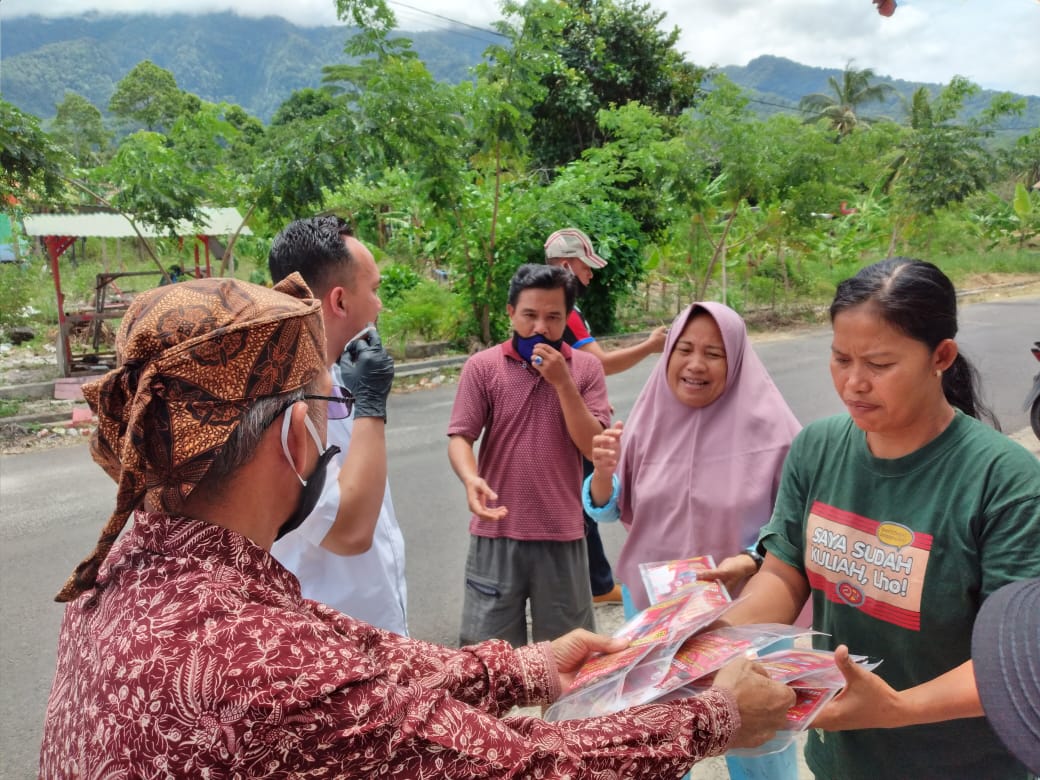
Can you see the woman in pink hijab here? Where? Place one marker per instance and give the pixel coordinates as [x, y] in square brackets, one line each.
[699, 468]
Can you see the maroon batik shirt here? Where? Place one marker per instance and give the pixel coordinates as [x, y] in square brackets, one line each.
[195, 656]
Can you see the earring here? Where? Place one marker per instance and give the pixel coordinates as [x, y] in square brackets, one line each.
[938, 372]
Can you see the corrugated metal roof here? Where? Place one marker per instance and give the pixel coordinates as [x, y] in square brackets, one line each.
[215, 222]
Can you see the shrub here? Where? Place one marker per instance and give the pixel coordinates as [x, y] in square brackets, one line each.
[17, 286]
[396, 280]
[427, 312]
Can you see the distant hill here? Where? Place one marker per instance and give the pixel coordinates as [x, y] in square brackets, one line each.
[777, 84]
[258, 63]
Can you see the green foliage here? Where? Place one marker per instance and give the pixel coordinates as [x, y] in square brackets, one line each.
[1004, 223]
[79, 128]
[714, 202]
[942, 162]
[298, 162]
[839, 107]
[149, 95]
[607, 53]
[304, 104]
[17, 283]
[1022, 161]
[31, 164]
[396, 280]
[427, 311]
[154, 182]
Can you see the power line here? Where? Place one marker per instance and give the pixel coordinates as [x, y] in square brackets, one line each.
[447, 19]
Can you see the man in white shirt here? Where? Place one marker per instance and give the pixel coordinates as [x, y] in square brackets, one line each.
[349, 552]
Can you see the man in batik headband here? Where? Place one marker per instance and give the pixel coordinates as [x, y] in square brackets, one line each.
[186, 650]
[194, 359]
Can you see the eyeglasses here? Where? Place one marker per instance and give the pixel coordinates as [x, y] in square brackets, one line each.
[341, 402]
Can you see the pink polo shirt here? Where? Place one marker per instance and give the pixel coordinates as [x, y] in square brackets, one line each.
[526, 454]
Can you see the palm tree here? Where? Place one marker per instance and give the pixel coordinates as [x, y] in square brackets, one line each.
[839, 106]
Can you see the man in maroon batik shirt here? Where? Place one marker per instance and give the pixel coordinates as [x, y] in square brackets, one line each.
[186, 650]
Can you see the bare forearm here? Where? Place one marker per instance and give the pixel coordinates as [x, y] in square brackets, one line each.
[601, 487]
[617, 360]
[775, 595]
[581, 424]
[463, 461]
[946, 697]
[362, 486]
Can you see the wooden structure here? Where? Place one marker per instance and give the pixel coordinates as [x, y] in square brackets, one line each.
[59, 231]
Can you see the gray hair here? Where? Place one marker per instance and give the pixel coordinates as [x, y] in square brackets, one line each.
[241, 446]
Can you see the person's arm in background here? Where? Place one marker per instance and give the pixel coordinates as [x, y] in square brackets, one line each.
[368, 372]
[623, 358]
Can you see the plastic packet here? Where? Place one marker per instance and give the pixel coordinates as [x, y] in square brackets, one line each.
[664, 579]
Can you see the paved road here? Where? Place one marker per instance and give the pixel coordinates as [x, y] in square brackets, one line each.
[53, 502]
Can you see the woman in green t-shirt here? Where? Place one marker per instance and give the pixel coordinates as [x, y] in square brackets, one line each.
[898, 519]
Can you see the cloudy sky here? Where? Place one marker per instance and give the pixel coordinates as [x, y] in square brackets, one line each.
[995, 43]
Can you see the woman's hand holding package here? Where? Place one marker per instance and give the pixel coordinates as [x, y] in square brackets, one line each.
[731, 572]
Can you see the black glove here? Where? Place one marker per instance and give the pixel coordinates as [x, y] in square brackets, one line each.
[368, 372]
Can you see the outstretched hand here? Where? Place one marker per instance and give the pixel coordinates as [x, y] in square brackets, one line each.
[866, 702]
[731, 572]
[478, 493]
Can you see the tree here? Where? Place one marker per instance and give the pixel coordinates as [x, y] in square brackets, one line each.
[31, 164]
[941, 161]
[304, 103]
[79, 128]
[839, 106]
[609, 52]
[150, 96]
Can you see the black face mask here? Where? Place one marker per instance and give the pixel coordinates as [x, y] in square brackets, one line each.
[525, 346]
[313, 486]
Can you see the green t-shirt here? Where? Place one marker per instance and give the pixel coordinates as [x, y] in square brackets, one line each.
[900, 554]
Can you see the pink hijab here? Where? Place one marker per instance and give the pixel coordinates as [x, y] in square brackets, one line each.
[701, 481]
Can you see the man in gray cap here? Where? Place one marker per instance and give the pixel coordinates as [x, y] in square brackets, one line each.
[572, 249]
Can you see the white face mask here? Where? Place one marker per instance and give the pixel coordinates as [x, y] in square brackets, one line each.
[313, 485]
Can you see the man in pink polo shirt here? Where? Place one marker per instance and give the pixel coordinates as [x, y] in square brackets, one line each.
[538, 404]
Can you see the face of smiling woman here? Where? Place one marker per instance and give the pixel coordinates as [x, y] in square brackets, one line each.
[697, 365]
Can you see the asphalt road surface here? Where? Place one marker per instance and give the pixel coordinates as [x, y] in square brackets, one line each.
[53, 502]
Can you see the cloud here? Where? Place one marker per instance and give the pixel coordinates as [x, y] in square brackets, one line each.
[991, 42]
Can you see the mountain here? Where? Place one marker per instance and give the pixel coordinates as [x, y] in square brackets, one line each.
[258, 63]
[777, 84]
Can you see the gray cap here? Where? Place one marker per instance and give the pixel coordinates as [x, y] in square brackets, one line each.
[1005, 650]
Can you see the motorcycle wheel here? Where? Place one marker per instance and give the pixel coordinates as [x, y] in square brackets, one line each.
[1034, 417]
